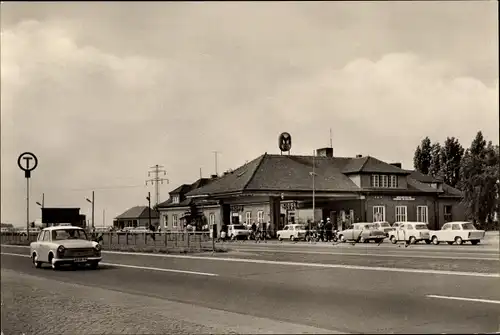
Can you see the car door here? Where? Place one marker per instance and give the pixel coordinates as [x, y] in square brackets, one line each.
[456, 230]
[445, 233]
[43, 249]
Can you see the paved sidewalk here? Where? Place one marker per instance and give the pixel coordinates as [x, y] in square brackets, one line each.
[36, 305]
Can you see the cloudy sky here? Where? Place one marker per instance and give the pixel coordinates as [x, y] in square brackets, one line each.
[102, 91]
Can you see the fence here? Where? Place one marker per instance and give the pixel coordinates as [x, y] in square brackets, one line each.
[192, 241]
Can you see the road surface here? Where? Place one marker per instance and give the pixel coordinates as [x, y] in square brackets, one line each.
[270, 291]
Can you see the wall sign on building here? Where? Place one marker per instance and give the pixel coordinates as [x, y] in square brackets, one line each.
[403, 198]
[290, 206]
[237, 208]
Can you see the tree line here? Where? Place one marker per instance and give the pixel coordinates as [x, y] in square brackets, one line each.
[474, 171]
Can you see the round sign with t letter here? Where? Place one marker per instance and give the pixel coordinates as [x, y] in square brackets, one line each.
[25, 164]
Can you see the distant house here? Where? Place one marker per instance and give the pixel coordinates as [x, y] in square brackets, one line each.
[176, 209]
[6, 225]
[137, 216]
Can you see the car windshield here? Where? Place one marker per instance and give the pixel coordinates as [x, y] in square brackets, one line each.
[420, 226]
[240, 226]
[384, 224]
[300, 227]
[468, 226]
[368, 226]
[68, 234]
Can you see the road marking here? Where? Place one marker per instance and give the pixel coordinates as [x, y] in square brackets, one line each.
[317, 265]
[364, 254]
[138, 267]
[463, 299]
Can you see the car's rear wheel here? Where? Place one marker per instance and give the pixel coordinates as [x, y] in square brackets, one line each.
[458, 240]
[474, 242]
[362, 240]
[280, 238]
[342, 238]
[413, 240]
[435, 240]
[292, 238]
[394, 240]
[36, 263]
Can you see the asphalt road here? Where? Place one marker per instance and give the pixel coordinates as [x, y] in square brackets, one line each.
[343, 293]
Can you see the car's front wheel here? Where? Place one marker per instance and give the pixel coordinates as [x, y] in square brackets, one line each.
[435, 240]
[36, 263]
[394, 240]
[55, 266]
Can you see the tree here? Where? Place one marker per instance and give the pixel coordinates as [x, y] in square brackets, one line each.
[479, 175]
[451, 156]
[436, 160]
[422, 157]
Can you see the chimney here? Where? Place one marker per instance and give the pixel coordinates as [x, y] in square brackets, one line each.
[359, 156]
[398, 165]
[324, 152]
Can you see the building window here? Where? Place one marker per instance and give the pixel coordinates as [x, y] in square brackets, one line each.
[423, 214]
[384, 181]
[260, 216]
[447, 213]
[248, 217]
[291, 217]
[375, 180]
[165, 220]
[174, 221]
[378, 213]
[175, 199]
[401, 214]
[211, 220]
[393, 181]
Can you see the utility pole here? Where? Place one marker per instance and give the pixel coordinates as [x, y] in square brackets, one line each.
[156, 180]
[331, 140]
[103, 218]
[216, 153]
[43, 200]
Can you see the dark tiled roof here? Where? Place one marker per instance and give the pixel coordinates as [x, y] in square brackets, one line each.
[283, 172]
[184, 203]
[137, 212]
[423, 178]
[370, 164]
[450, 191]
[231, 182]
[419, 186]
[182, 190]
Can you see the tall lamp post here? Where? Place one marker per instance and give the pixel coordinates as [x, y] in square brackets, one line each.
[148, 198]
[92, 202]
[313, 174]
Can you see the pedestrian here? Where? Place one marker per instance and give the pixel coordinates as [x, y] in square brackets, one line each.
[328, 230]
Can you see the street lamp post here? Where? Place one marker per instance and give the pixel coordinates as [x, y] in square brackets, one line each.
[149, 208]
[313, 174]
[92, 202]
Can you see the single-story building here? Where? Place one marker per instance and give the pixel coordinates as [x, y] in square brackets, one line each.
[289, 188]
[137, 216]
[177, 208]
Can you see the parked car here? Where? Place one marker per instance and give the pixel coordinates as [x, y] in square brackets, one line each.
[411, 232]
[237, 231]
[292, 232]
[65, 245]
[457, 232]
[384, 226]
[363, 232]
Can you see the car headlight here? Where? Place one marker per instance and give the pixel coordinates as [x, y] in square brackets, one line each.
[61, 250]
[98, 247]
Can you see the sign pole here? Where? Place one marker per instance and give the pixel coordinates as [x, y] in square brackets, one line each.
[28, 208]
[27, 157]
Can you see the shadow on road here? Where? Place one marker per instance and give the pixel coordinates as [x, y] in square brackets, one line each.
[69, 268]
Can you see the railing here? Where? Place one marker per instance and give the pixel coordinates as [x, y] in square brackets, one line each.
[188, 241]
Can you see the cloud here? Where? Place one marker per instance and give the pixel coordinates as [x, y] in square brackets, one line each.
[100, 114]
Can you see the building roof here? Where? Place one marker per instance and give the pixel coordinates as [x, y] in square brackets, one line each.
[368, 164]
[423, 178]
[137, 212]
[450, 191]
[183, 189]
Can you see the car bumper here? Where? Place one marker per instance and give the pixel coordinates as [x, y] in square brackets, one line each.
[77, 260]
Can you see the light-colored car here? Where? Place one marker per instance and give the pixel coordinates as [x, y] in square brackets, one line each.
[292, 232]
[363, 232]
[237, 231]
[66, 245]
[384, 226]
[457, 232]
[411, 232]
